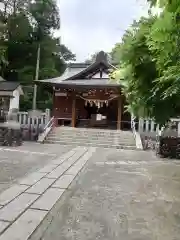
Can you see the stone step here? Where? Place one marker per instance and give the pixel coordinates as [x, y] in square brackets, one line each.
[91, 136]
[103, 145]
[63, 128]
[92, 131]
[94, 140]
[88, 143]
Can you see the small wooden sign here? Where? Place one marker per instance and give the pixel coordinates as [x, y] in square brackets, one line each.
[59, 94]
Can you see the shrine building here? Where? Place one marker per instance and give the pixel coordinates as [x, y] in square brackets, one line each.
[85, 96]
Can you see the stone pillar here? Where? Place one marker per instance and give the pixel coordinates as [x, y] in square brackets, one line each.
[141, 125]
[179, 129]
[119, 116]
[48, 115]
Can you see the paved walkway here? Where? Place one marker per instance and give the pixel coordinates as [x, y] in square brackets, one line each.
[16, 162]
[25, 204]
[120, 194]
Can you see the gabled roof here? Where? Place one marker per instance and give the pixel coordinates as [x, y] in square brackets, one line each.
[8, 86]
[79, 74]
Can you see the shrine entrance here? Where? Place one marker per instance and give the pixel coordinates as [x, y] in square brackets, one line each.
[102, 116]
[100, 113]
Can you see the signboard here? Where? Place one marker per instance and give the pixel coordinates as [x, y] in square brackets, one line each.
[98, 117]
[59, 94]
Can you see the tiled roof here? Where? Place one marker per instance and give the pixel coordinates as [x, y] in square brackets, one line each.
[8, 86]
[84, 82]
[78, 73]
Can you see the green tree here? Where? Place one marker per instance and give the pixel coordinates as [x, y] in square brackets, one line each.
[137, 68]
[24, 25]
[149, 57]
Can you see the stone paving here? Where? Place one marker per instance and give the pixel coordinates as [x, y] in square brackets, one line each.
[120, 194]
[25, 204]
[16, 162]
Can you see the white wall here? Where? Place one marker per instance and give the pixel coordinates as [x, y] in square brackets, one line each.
[14, 101]
[97, 75]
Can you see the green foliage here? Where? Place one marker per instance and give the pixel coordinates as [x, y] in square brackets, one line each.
[24, 25]
[149, 55]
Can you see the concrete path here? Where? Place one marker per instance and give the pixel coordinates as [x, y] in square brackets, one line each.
[119, 194]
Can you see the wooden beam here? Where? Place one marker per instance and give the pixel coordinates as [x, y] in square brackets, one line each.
[119, 116]
[74, 111]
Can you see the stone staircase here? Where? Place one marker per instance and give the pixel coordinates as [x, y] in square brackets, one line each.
[92, 137]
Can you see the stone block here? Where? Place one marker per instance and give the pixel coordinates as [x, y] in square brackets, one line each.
[11, 193]
[66, 165]
[64, 157]
[64, 181]
[32, 178]
[48, 168]
[79, 164]
[57, 172]
[73, 170]
[12, 210]
[24, 226]
[40, 186]
[75, 157]
[48, 199]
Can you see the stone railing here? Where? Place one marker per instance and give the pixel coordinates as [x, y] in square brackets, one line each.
[25, 120]
[47, 129]
[148, 125]
[150, 133]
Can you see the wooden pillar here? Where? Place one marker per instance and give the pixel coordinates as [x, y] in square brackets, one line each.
[74, 111]
[119, 113]
[54, 105]
[54, 110]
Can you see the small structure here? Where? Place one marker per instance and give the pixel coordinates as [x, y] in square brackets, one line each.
[86, 96]
[9, 95]
[10, 131]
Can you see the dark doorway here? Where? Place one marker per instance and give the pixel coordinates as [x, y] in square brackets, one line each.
[93, 109]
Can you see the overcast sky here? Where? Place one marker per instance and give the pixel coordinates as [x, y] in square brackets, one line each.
[88, 26]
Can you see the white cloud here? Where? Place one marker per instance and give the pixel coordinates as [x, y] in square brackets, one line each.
[91, 25]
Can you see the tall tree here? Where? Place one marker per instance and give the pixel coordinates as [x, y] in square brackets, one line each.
[150, 57]
[24, 25]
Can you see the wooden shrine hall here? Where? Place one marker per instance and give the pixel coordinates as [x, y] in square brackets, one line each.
[85, 96]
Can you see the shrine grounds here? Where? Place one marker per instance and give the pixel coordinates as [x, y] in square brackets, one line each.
[117, 194]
